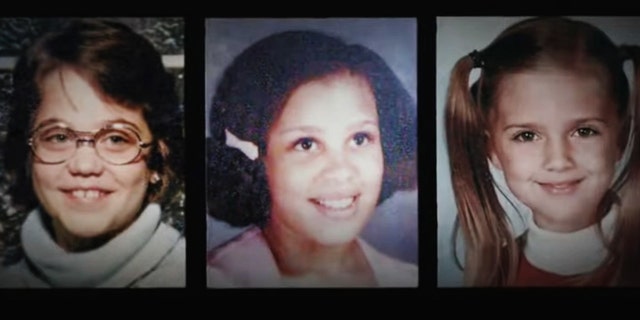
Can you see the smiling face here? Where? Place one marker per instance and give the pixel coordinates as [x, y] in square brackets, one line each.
[555, 136]
[324, 161]
[85, 196]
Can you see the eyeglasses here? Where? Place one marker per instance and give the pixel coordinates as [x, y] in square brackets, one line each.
[116, 143]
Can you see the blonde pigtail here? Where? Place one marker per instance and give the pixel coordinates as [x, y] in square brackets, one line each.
[626, 242]
[491, 250]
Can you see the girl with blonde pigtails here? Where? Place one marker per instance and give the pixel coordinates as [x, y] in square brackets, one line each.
[552, 110]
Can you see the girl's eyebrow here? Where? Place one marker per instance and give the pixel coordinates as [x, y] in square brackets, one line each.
[123, 121]
[315, 129]
[48, 122]
[366, 122]
[573, 123]
[303, 128]
[104, 123]
[594, 119]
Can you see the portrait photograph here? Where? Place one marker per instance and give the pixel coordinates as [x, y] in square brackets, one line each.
[311, 152]
[92, 153]
[537, 151]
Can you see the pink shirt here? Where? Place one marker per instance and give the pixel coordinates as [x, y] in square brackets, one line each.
[247, 261]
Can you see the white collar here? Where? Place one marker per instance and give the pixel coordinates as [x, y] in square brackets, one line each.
[85, 269]
[571, 253]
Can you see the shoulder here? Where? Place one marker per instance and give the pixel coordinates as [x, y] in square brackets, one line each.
[219, 278]
[245, 245]
[170, 270]
[390, 272]
[244, 261]
[19, 275]
[174, 260]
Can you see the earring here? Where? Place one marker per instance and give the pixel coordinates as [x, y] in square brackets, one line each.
[155, 177]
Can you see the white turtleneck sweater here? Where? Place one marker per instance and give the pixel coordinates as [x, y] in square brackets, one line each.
[148, 253]
[566, 254]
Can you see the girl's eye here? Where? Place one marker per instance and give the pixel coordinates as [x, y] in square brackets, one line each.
[55, 136]
[305, 144]
[59, 138]
[361, 139]
[586, 132]
[117, 139]
[525, 136]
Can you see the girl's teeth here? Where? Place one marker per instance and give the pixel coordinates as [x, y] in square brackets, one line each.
[337, 204]
[92, 194]
[86, 194]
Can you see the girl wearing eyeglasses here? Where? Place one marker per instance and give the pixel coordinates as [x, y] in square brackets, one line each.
[93, 148]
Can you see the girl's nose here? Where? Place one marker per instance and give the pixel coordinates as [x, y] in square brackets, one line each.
[339, 167]
[558, 155]
[85, 161]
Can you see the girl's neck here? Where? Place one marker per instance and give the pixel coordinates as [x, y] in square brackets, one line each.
[306, 261]
[72, 243]
[553, 225]
[569, 253]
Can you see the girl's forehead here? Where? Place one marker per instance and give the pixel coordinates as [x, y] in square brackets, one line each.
[69, 97]
[339, 94]
[552, 84]
[559, 93]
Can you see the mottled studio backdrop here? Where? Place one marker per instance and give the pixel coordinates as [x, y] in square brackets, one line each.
[167, 35]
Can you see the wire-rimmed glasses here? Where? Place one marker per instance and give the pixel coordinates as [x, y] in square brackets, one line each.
[116, 143]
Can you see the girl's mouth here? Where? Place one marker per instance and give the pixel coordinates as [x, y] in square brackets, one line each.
[86, 195]
[560, 188]
[336, 207]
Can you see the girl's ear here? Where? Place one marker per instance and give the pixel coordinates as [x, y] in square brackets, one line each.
[493, 156]
[495, 160]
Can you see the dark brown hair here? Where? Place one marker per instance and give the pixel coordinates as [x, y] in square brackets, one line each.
[122, 65]
[256, 86]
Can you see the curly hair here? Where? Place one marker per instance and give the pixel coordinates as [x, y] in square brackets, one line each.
[251, 94]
